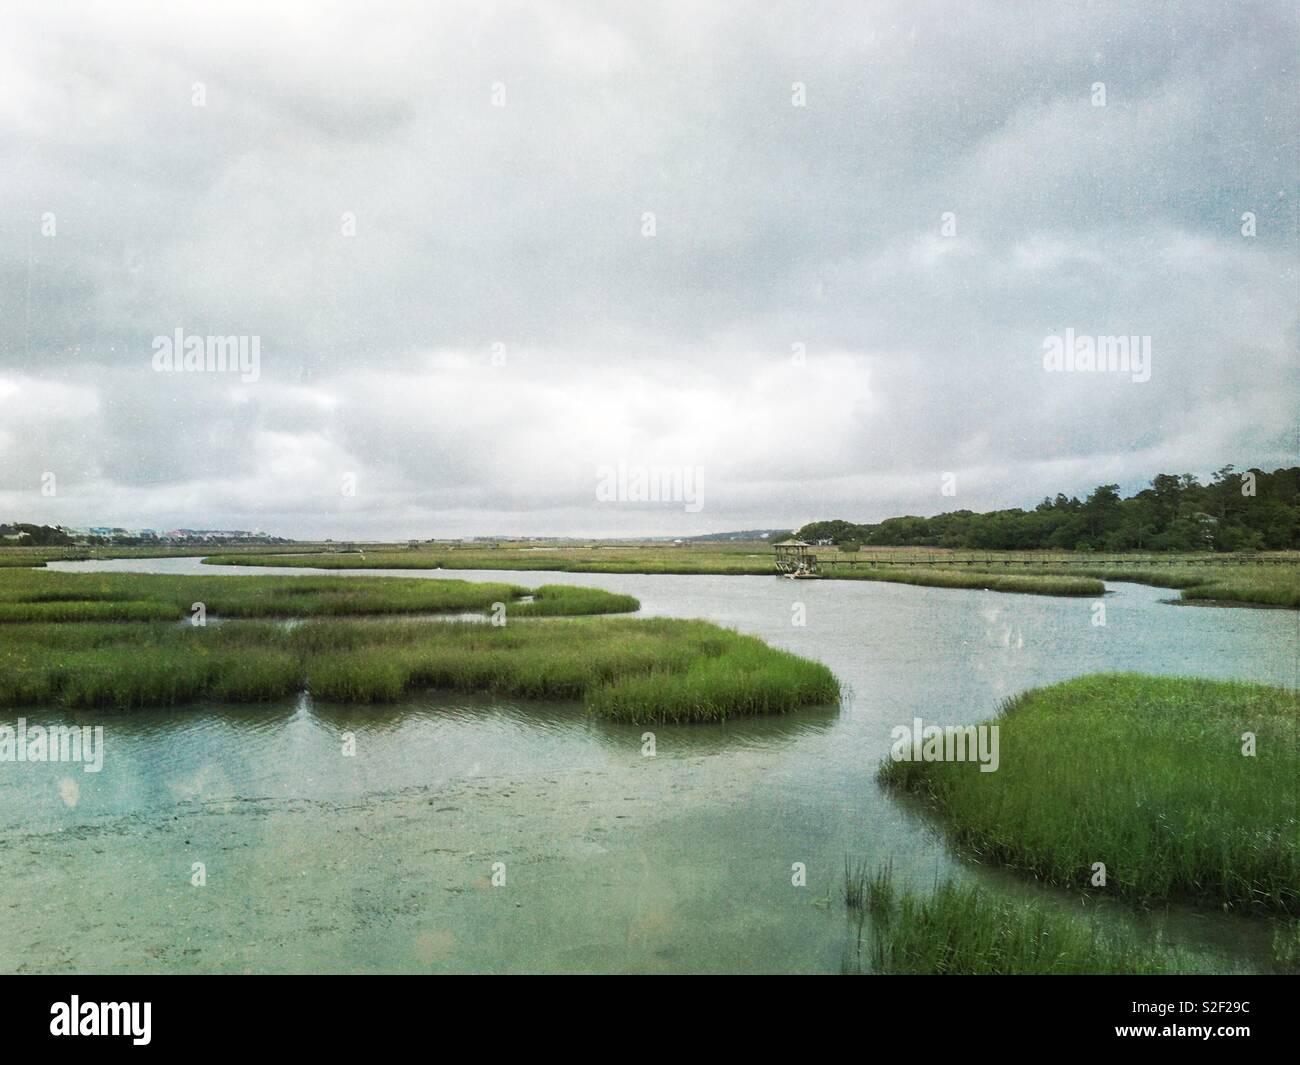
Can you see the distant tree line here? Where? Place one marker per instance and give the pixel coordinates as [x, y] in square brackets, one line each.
[1236, 511]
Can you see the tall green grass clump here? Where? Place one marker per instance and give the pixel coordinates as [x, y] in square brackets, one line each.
[641, 559]
[39, 596]
[1145, 774]
[1030, 584]
[964, 930]
[637, 671]
[554, 600]
[1277, 586]
[1286, 946]
[748, 678]
[664, 560]
[135, 665]
[624, 669]
[868, 890]
[62, 610]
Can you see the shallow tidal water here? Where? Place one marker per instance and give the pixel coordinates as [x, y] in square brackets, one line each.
[613, 861]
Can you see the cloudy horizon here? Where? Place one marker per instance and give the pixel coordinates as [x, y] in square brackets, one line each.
[814, 252]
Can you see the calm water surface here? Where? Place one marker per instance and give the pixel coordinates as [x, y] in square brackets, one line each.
[613, 861]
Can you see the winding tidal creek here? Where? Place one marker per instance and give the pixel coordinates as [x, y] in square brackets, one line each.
[486, 834]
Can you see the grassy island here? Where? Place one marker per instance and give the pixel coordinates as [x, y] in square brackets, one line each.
[35, 596]
[1076, 574]
[666, 561]
[1144, 774]
[623, 669]
[120, 639]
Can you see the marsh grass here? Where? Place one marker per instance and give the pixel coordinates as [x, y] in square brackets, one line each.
[1280, 588]
[656, 670]
[880, 892]
[855, 884]
[756, 561]
[1264, 585]
[553, 600]
[869, 890]
[1286, 946]
[11, 556]
[745, 678]
[1145, 774]
[1249, 585]
[47, 596]
[640, 559]
[1031, 584]
[965, 930]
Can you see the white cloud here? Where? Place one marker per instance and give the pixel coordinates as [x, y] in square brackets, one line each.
[778, 225]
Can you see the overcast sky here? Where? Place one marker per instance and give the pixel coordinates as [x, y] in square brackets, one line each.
[950, 194]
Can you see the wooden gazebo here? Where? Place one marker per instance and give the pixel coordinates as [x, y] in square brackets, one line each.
[794, 560]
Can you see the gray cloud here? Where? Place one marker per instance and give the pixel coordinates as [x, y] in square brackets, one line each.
[521, 226]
